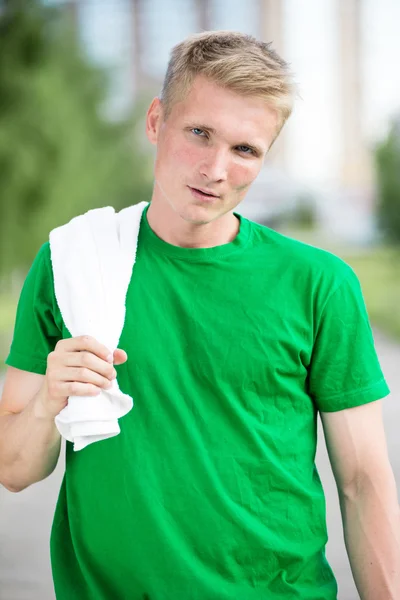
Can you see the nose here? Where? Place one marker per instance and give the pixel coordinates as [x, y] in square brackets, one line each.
[214, 167]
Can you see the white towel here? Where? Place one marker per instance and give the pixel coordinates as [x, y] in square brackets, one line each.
[92, 259]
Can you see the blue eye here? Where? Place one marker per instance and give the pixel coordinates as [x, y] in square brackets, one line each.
[245, 149]
[197, 131]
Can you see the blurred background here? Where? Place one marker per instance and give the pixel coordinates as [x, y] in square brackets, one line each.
[76, 78]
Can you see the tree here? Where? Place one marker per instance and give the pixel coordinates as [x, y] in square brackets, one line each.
[388, 168]
[58, 155]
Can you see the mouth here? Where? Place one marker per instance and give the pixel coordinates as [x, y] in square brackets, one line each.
[202, 193]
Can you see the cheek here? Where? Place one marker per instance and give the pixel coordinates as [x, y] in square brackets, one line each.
[174, 156]
[188, 156]
[181, 155]
[242, 176]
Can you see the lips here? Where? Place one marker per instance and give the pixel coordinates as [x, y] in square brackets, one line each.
[206, 193]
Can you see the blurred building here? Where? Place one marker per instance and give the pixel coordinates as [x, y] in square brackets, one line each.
[160, 24]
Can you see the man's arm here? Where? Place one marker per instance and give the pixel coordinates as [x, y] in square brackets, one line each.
[29, 439]
[356, 445]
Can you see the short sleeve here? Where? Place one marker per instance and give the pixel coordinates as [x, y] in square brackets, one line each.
[36, 331]
[344, 371]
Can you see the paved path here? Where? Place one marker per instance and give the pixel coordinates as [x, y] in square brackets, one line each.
[25, 518]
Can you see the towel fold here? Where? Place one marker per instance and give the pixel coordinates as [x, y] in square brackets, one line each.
[92, 258]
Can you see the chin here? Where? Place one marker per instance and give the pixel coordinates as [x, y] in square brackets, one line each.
[198, 215]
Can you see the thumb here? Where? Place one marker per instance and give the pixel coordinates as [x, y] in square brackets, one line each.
[120, 356]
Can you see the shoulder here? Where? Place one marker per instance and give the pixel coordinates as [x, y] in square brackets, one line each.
[39, 283]
[305, 259]
[37, 294]
[42, 262]
[311, 276]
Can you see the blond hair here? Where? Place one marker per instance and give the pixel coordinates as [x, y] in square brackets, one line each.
[233, 60]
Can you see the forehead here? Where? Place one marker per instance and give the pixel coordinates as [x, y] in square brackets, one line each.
[226, 111]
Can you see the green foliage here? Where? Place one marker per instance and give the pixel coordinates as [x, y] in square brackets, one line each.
[59, 156]
[388, 167]
[303, 215]
[377, 269]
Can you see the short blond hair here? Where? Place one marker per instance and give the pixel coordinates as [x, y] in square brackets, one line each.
[233, 60]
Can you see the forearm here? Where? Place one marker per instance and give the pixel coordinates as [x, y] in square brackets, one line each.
[371, 521]
[29, 446]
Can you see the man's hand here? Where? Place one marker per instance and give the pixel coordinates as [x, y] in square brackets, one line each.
[79, 366]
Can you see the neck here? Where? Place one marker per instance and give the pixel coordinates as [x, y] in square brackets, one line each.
[168, 225]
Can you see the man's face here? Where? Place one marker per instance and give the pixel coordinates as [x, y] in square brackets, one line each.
[209, 149]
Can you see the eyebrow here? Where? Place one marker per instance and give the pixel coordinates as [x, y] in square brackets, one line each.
[254, 147]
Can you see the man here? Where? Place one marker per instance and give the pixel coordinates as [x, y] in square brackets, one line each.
[235, 337]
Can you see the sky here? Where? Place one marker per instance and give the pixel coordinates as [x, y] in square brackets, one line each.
[311, 46]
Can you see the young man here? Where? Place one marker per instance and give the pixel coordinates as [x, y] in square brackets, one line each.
[235, 337]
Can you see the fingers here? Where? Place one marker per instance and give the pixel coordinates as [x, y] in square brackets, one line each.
[85, 343]
[87, 360]
[84, 375]
[120, 356]
[76, 388]
[79, 366]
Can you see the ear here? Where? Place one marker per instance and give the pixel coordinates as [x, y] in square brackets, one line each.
[153, 120]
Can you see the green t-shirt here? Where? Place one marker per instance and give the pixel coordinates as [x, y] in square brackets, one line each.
[210, 491]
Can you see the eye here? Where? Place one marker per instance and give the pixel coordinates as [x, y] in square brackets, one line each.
[245, 149]
[198, 132]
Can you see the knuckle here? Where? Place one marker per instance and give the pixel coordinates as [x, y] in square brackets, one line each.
[74, 388]
[60, 345]
[83, 358]
[86, 374]
[76, 373]
[80, 357]
[53, 356]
